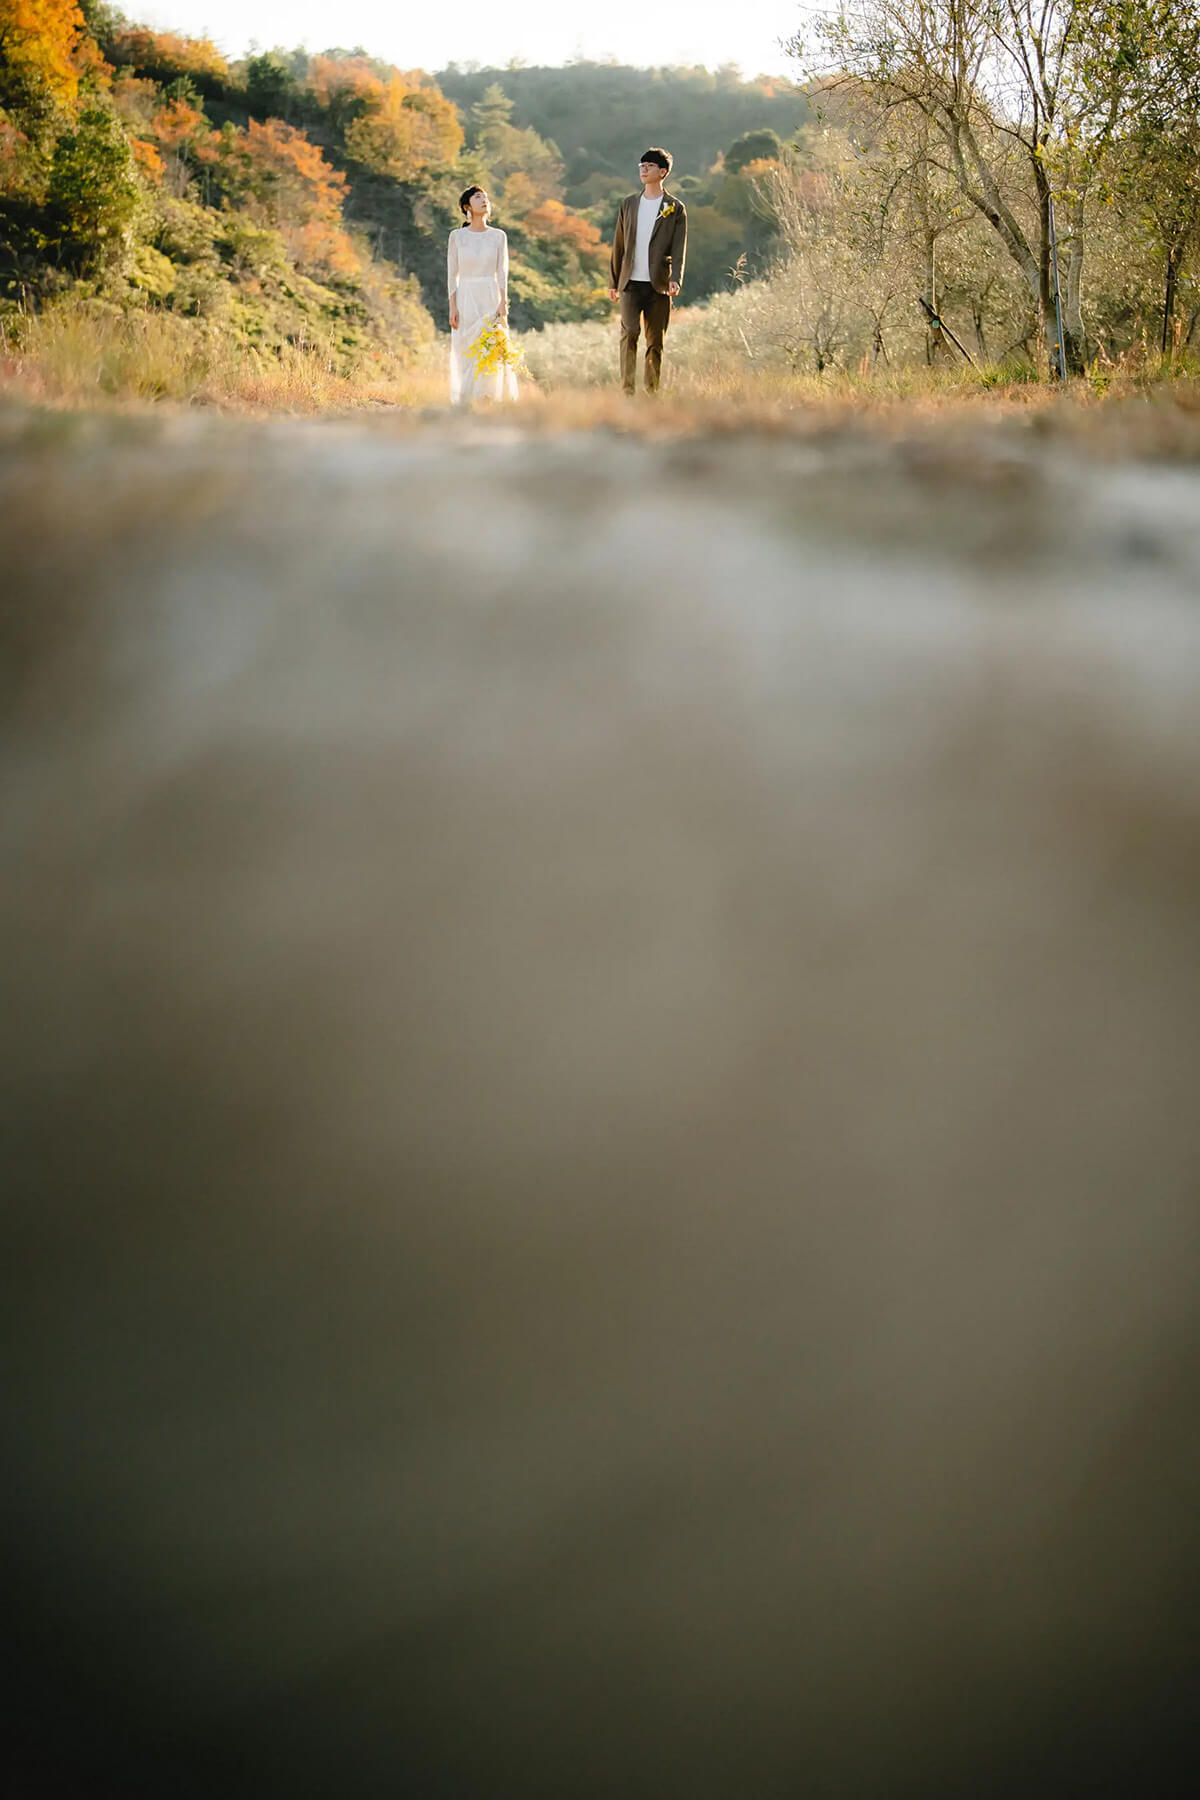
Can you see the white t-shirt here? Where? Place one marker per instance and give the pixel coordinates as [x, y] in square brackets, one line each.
[647, 212]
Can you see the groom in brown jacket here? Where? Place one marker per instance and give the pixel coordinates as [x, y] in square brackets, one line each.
[647, 266]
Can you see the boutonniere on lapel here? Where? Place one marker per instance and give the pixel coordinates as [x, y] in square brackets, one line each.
[666, 211]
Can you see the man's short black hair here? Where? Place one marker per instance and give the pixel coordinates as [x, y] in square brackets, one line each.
[663, 158]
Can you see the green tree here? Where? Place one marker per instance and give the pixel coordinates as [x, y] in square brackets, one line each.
[525, 169]
[1159, 173]
[753, 146]
[104, 22]
[491, 118]
[94, 196]
[272, 90]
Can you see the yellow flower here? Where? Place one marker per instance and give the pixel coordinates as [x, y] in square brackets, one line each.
[493, 350]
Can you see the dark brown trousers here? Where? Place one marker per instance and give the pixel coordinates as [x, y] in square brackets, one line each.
[640, 300]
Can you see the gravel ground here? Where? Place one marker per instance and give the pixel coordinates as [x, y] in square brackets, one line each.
[599, 1078]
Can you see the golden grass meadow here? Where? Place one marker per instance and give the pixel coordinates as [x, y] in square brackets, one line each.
[78, 358]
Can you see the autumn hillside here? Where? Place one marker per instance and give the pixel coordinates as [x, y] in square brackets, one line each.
[301, 202]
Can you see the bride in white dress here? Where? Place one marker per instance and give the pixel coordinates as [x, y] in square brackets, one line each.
[477, 277]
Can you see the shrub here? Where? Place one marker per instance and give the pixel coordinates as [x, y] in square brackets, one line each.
[251, 249]
[152, 272]
[93, 195]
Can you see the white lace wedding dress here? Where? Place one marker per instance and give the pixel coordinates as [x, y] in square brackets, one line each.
[477, 277]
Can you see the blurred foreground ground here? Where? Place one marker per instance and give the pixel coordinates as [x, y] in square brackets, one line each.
[599, 1065]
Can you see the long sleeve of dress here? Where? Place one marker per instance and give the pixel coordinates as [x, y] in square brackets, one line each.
[452, 264]
[502, 273]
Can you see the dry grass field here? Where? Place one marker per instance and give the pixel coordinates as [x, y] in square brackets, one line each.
[72, 358]
[598, 1068]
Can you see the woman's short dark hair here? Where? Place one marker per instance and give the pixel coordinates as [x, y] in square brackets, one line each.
[655, 154]
[464, 200]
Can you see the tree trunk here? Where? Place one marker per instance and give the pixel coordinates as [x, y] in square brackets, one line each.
[1047, 311]
[937, 350]
[1074, 330]
[977, 320]
[1169, 297]
[979, 185]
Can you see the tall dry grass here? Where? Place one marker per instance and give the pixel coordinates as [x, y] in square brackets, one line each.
[76, 356]
[735, 343]
[716, 379]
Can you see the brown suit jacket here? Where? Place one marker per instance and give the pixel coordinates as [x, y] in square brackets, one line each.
[668, 243]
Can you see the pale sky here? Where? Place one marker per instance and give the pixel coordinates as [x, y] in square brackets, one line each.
[491, 32]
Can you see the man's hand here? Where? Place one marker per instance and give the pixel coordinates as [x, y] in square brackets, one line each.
[612, 294]
[672, 288]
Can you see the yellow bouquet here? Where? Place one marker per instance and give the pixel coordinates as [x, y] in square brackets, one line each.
[493, 350]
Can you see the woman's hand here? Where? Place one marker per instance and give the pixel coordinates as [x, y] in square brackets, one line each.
[454, 315]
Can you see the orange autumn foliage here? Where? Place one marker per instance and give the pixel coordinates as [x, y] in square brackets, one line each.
[324, 247]
[554, 221]
[344, 86]
[284, 168]
[136, 100]
[405, 129]
[148, 160]
[178, 123]
[180, 139]
[167, 56]
[276, 175]
[42, 41]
